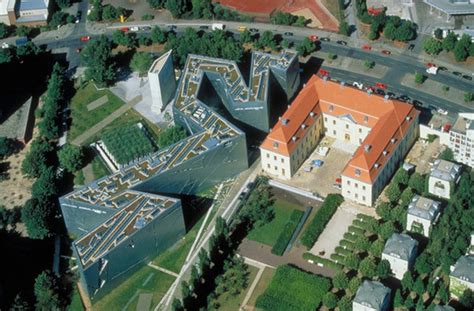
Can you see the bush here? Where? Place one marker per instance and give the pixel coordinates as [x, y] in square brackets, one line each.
[292, 289]
[393, 192]
[322, 217]
[343, 251]
[419, 78]
[338, 258]
[346, 243]
[285, 236]
[351, 237]
[356, 230]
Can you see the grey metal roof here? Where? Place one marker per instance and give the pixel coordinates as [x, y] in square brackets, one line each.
[445, 170]
[443, 308]
[424, 208]
[32, 5]
[400, 246]
[452, 7]
[464, 269]
[372, 294]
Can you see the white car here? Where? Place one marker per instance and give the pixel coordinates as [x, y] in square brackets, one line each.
[432, 70]
[358, 85]
[442, 111]
[134, 28]
[5, 45]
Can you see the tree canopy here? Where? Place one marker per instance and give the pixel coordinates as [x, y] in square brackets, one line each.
[141, 62]
[46, 292]
[97, 57]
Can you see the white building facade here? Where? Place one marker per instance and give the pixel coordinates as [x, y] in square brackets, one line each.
[422, 214]
[162, 82]
[443, 178]
[400, 251]
[461, 139]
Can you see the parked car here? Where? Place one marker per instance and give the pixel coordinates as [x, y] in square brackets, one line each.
[380, 92]
[323, 72]
[203, 27]
[417, 103]
[289, 34]
[391, 94]
[411, 47]
[381, 85]
[442, 111]
[317, 163]
[403, 98]
[134, 28]
[253, 30]
[313, 38]
[124, 29]
[366, 47]
[172, 27]
[457, 73]
[430, 64]
[85, 38]
[358, 85]
[386, 52]
[145, 28]
[467, 77]
[341, 42]
[325, 39]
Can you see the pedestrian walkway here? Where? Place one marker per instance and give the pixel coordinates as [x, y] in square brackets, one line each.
[102, 124]
[150, 264]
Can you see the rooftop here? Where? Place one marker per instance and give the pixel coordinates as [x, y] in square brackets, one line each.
[26, 5]
[445, 170]
[16, 125]
[372, 294]
[400, 246]
[452, 7]
[159, 62]
[463, 123]
[388, 120]
[464, 269]
[424, 208]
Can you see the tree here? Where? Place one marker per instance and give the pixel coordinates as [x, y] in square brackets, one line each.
[449, 42]
[268, 39]
[46, 292]
[306, 47]
[23, 31]
[177, 7]
[467, 299]
[330, 300]
[362, 243]
[4, 30]
[340, 280]
[177, 305]
[38, 218]
[97, 56]
[345, 304]
[420, 305]
[29, 48]
[45, 186]
[171, 135]
[468, 96]
[383, 210]
[71, 157]
[389, 31]
[438, 33]
[383, 269]
[235, 277]
[387, 229]
[245, 36]
[417, 182]
[158, 35]
[58, 18]
[369, 64]
[409, 303]
[373, 35]
[376, 248]
[461, 49]
[432, 46]
[6, 56]
[419, 286]
[398, 299]
[447, 155]
[124, 38]
[367, 267]
[63, 3]
[419, 78]
[7, 147]
[406, 31]
[423, 264]
[285, 44]
[407, 281]
[352, 261]
[344, 28]
[354, 284]
[406, 196]
[443, 292]
[401, 177]
[141, 62]
[393, 192]
[36, 158]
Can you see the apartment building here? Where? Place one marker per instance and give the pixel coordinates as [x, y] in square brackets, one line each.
[422, 214]
[400, 251]
[462, 276]
[371, 296]
[443, 177]
[383, 129]
[461, 139]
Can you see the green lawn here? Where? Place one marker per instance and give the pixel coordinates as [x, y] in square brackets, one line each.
[76, 303]
[232, 303]
[268, 233]
[262, 284]
[145, 280]
[99, 168]
[82, 119]
[173, 258]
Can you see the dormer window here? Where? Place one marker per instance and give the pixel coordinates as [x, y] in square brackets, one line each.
[293, 138]
[385, 152]
[408, 118]
[366, 119]
[331, 108]
[303, 126]
[275, 145]
[311, 114]
[393, 140]
[376, 165]
[357, 172]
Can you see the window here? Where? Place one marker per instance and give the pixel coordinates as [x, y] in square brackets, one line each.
[325, 119]
[363, 188]
[268, 165]
[334, 132]
[283, 171]
[282, 160]
[268, 155]
[349, 182]
[363, 198]
[356, 195]
[366, 119]
[331, 108]
[334, 122]
[347, 126]
[276, 167]
[356, 185]
[275, 158]
[360, 130]
[357, 172]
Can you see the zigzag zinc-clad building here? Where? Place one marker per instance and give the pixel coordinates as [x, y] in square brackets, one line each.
[119, 221]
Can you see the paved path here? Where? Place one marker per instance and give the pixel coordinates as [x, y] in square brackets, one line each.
[102, 124]
[261, 267]
[150, 264]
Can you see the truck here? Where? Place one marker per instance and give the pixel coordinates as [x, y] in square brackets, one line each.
[21, 41]
[217, 26]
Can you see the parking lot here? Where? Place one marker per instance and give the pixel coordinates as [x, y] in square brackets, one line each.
[320, 180]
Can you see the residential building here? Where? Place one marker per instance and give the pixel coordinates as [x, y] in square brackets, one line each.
[162, 82]
[422, 214]
[462, 276]
[384, 130]
[400, 8]
[443, 177]
[443, 308]
[7, 12]
[461, 139]
[24, 12]
[120, 220]
[400, 251]
[451, 7]
[371, 296]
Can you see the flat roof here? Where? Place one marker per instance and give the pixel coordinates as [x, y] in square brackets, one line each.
[26, 5]
[450, 7]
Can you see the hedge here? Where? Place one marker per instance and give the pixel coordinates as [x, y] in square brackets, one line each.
[337, 257]
[348, 244]
[293, 289]
[356, 230]
[364, 217]
[287, 232]
[351, 237]
[322, 217]
[358, 223]
[324, 261]
[343, 251]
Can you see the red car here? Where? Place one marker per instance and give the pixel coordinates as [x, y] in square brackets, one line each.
[338, 180]
[430, 64]
[313, 38]
[386, 52]
[85, 38]
[366, 47]
[124, 29]
[381, 85]
[323, 72]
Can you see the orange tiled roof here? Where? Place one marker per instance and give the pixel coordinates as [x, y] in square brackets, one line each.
[386, 118]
